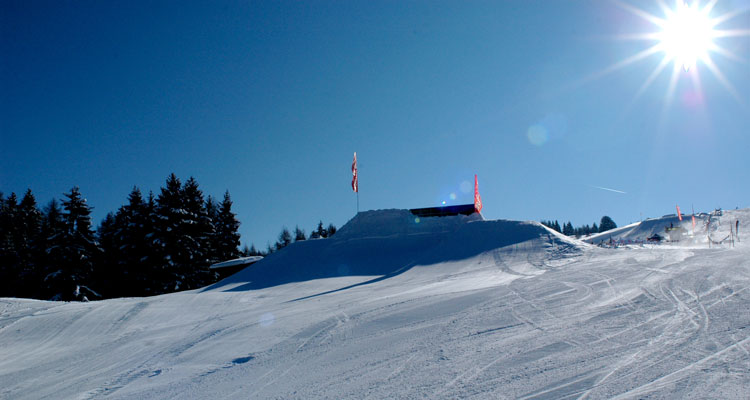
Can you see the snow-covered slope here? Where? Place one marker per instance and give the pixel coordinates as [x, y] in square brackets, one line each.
[715, 225]
[390, 242]
[392, 308]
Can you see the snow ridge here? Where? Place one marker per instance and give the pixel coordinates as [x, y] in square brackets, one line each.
[390, 242]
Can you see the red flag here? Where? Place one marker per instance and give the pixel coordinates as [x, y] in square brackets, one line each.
[355, 183]
[679, 215]
[477, 198]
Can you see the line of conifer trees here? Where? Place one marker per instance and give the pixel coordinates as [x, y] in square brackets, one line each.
[152, 245]
[567, 229]
[286, 238]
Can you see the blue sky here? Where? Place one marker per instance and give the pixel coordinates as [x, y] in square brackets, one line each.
[270, 99]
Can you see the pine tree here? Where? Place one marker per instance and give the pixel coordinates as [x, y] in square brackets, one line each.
[285, 238]
[212, 250]
[29, 225]
[149, 250]
[51, 259]
[299, 234]
[169, 237]
[108, 275]
[9, 257]
[606, 224]
[319, 232]
[80, 250]
[331, 229]
[199, 231]
[568, 229]
[227, 230]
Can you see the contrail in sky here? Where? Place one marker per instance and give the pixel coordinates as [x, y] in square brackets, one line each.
[611, 190]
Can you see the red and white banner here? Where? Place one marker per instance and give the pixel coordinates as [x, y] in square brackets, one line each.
[477, 198]
[679, 215]
[355, 182]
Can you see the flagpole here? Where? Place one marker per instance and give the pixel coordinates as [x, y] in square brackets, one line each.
[355, 179]
[357, 188]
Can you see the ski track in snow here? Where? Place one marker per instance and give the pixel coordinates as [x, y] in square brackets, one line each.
[532, 320]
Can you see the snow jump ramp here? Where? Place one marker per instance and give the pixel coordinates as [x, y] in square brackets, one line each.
[387, 243]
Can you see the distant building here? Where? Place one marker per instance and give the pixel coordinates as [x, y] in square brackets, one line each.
[445, 211]
[463, 209]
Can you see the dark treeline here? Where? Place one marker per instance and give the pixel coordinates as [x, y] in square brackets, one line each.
[605, 224]
[286, 237]
[151, 245]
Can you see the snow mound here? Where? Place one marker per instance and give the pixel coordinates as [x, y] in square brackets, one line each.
[715, 225]
[390, 242]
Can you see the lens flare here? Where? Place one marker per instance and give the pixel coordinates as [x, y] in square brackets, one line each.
[537, 135]
[267, 319]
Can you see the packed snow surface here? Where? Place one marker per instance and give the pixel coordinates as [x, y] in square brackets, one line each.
[396, 307]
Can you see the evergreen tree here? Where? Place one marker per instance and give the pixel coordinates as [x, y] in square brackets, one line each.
[331, 229]
[568, 229]
[606, 224]
[170, 237]
[594, 229]
[148, 250]
[285, 238]
[199, 231]
[9, 257]
[51, 259]
[107, 273]
[299, 234]
[227, 230]
[29, 239]
[183, 231]
[212, 209]
[80, 249]
[319, 232]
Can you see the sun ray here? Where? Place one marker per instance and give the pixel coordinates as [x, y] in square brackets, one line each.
[643, 14]
[651, 36]
[726, 17]
[728, 54]
[651, 78]
[634, 58]
[723, 79]
[708, 7]
[617, 66]
[697, 84]
[672, 86]
[721, 33]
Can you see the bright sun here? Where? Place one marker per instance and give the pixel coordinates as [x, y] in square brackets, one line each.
[687, 34]
[687, 37]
